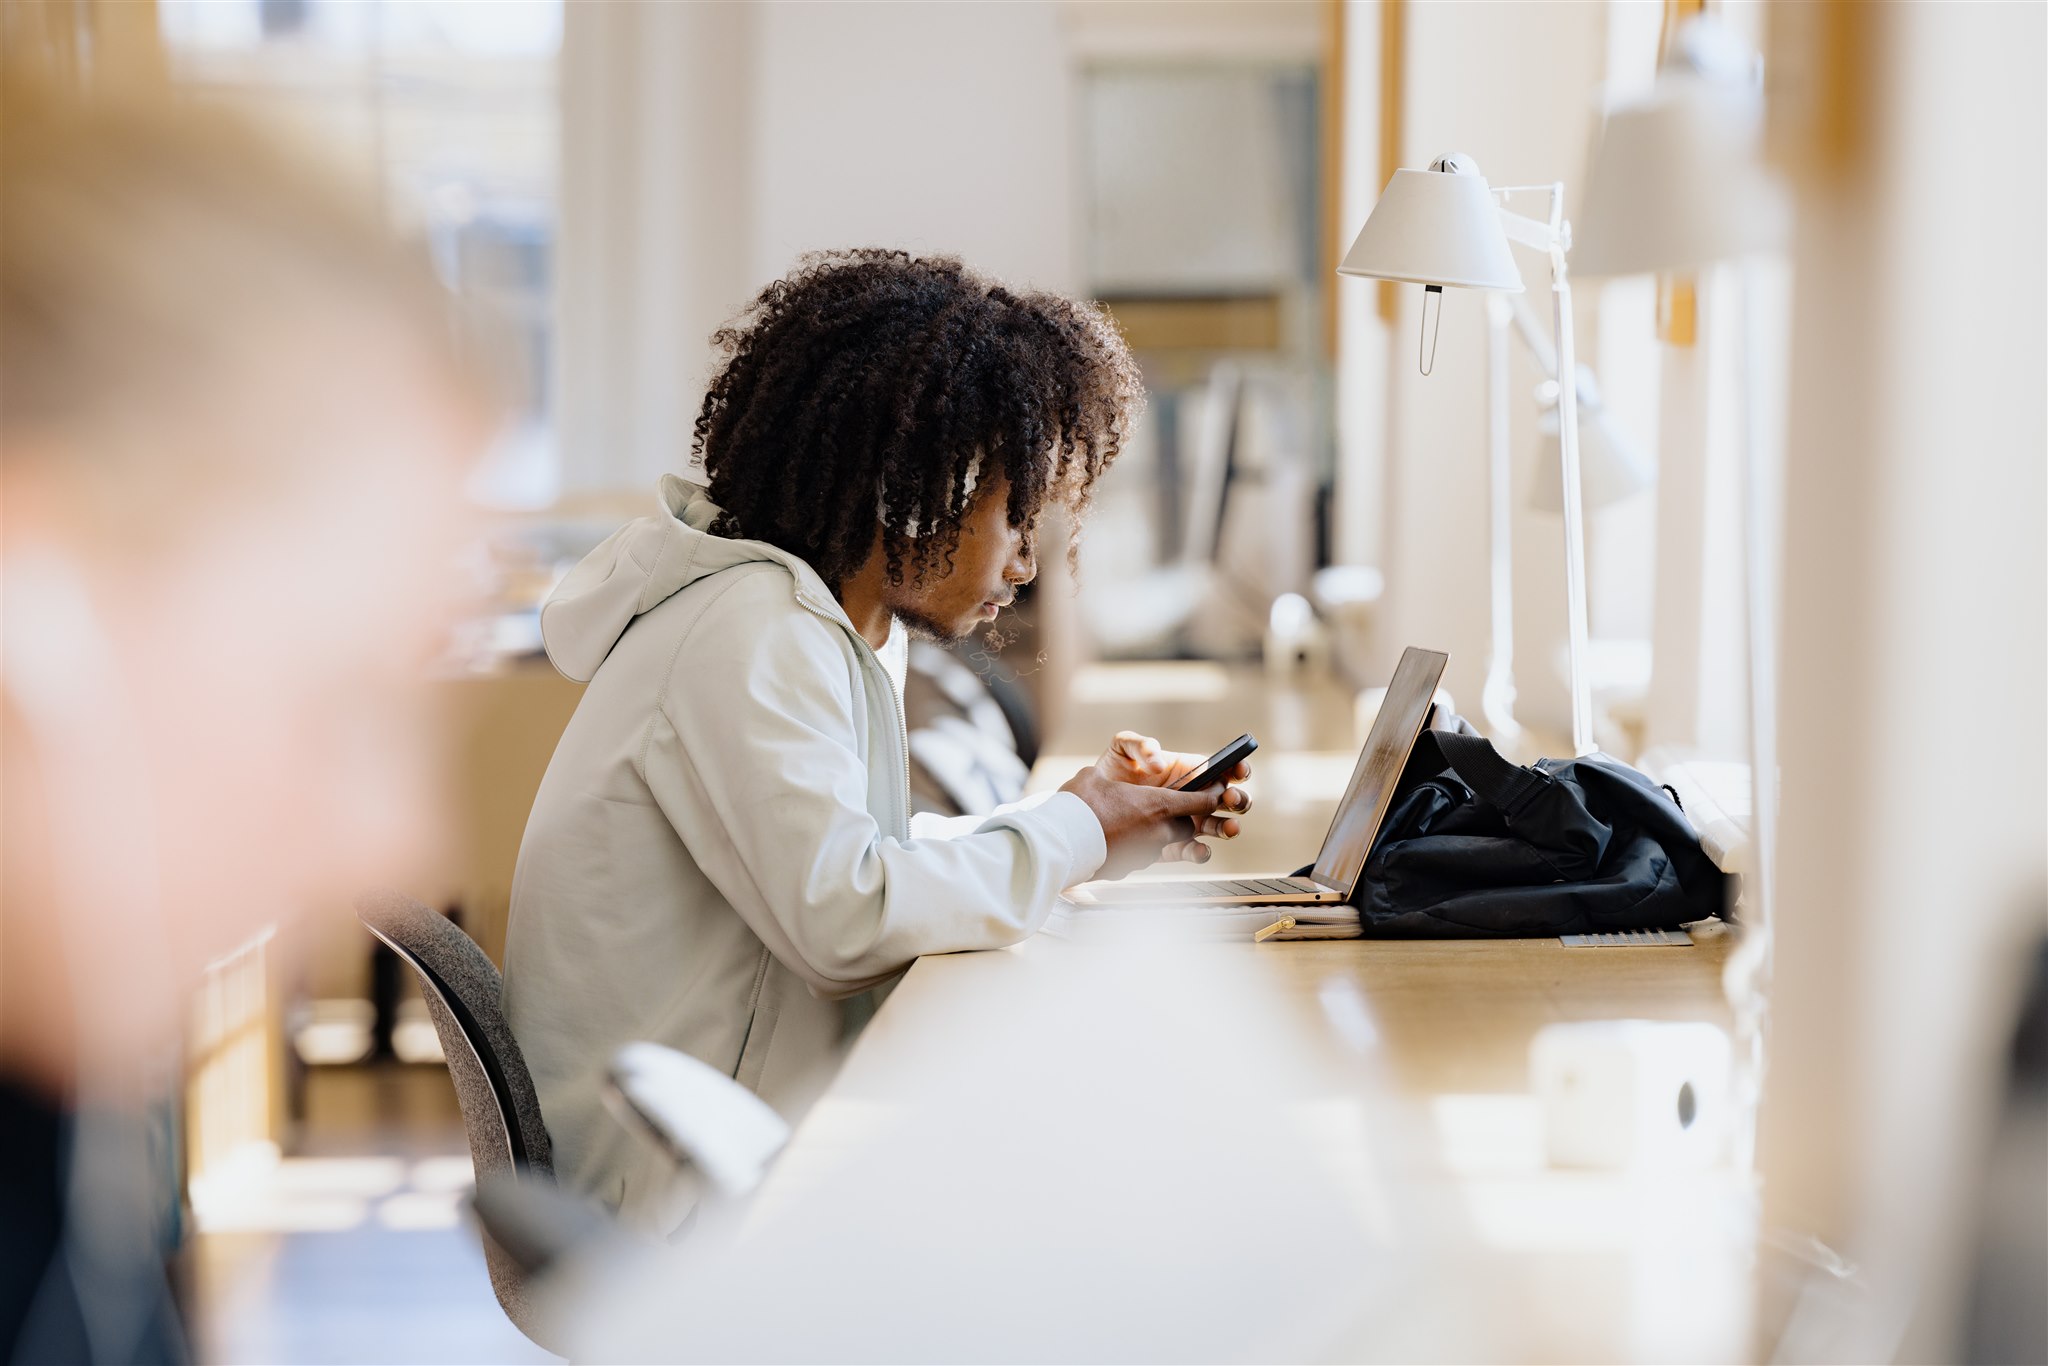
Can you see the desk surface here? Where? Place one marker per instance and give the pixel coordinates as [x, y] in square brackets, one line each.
[1221, 1151]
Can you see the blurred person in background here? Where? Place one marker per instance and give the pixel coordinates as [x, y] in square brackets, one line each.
[232, 435]
[722, 856]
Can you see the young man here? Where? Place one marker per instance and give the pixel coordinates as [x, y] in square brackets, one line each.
[721, 857]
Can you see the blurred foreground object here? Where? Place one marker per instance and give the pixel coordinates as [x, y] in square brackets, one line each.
[570, 1247]
[1183, 1127]
[231, 439]
[1632, 1093]
[1910, 865]
[697, 1114]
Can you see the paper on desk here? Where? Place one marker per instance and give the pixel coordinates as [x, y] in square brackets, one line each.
[1072, 921]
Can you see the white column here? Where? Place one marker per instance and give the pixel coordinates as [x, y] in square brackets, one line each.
[1360, 492]
[1696, 666]
[1914, 662]
[653, 245]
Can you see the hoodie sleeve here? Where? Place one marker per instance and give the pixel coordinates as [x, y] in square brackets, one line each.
[754, 758]
[931, 825]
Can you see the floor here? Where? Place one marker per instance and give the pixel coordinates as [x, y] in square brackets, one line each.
[358, 1246]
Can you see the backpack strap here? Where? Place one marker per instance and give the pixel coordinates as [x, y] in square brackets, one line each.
[1495, 781]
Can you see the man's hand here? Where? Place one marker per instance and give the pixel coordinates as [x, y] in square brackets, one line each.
[1130, 789]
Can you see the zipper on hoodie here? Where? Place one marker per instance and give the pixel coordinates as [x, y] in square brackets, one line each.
[903, 730]
[902, 733]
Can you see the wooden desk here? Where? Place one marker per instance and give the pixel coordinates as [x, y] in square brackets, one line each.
[1214, 1151]
[1457, 1016]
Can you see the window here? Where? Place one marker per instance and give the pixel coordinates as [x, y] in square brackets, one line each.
[451, 110]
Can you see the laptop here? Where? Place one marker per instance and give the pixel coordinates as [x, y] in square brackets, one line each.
[1357, 822]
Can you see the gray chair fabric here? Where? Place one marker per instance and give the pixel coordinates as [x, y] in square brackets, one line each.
[542, 1226]
[500, 1110]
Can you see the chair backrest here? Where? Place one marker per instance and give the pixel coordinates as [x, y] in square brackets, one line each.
[500, 1110]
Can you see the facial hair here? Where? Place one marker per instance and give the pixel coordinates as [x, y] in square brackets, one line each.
[922, 627]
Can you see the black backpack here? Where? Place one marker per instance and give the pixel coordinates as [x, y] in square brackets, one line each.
[1475, 847]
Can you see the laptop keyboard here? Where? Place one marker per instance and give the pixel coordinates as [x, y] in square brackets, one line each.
[1183, 891]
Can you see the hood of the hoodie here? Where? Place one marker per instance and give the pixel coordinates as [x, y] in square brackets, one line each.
[646, 562]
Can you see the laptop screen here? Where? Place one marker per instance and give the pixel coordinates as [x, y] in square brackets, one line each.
[1386, 751]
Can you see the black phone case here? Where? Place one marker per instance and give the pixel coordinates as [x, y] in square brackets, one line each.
[1213, 771]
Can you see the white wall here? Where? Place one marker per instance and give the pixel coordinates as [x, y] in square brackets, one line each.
[1698, 690]
[929, 126]
[1184, 31]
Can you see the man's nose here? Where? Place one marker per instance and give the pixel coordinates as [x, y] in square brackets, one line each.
[1023, 566]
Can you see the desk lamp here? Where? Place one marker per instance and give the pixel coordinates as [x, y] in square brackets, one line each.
[1677, 180]
[1446, 226]
[1612, 466]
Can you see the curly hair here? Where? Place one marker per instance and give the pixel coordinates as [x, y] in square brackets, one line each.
[873, 387]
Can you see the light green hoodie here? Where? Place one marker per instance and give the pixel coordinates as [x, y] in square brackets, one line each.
[722, 850]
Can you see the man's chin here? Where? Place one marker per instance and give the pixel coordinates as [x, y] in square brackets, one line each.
[923, 627]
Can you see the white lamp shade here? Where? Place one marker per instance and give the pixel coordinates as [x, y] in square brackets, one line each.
[1611, 468]
[1435, 228]
[1678, 182]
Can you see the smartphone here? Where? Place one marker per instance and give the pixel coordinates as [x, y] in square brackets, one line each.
[1221, 762]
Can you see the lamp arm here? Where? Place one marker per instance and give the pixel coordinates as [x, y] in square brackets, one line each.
[1530, 328]
[1497, 698]
[1574, 506]
[1550, 233]
[1553, 237]
[1530, 232]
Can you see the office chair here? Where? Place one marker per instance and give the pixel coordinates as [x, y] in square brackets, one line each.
[500, 1111]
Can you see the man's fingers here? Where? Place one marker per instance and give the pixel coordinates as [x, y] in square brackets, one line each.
[1202, 801]
[1207, 801]
[1134, 746]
